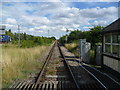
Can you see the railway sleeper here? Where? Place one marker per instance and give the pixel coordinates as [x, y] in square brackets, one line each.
[53, 85]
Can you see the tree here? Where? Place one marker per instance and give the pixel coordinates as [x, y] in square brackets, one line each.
[95, 36]
[75, 35]
[9, 30]
[53, 38]
[62, 39]
[24, 36]
[9, 33]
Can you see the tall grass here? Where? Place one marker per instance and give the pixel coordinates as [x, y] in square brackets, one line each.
[73, 47]
[19, 62]
[92, 56]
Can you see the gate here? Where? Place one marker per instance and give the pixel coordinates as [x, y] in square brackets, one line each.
[98, 55]
[85, 50]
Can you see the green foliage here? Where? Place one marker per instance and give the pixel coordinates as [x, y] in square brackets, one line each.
[62, 39]
[9, 33]
[92, 56]
[29, 40]
[93, 36]
[74, 35]
[53, 38]
[27, 43]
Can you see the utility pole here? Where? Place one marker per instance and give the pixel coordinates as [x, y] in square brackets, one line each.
[66, 39]
[48, 33]
[19, 35]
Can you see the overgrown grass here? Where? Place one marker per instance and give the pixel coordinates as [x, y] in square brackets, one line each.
[73, 47]
[19, 62]
[92, 57]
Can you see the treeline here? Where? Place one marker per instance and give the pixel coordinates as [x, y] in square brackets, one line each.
[93, 36]
[28, 40]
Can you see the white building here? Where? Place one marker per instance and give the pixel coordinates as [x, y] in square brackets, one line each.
[111, 46]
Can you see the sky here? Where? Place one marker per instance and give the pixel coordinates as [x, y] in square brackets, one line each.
[37, 17]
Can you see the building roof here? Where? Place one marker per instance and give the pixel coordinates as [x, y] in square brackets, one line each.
[113, 27]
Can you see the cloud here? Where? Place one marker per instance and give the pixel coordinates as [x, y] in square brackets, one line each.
[100, 16]
[87, 27]
[11, 21]
[31, 29]
[49, 7]
[38, 18]
[35, 20]
[97, 23]
[60, 0]
[97, 0]
[98, 12]
[70, 18]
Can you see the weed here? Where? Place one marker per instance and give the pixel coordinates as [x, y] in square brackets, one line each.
[19, 62]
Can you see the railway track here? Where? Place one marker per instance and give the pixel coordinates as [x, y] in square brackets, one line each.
[106, 81]
[62, 73]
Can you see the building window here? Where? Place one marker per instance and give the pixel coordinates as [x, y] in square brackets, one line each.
[119, 38]
[115, 50]
[112, 44]
[108, 48]
[107, 38]
[115, 38]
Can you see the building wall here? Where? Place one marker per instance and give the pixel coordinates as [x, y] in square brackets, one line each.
[112, 63]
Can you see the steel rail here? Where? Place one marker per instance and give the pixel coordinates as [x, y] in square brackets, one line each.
[106, 86]
[69, 69]
[106, 75]
[95, 78]
[44, 66]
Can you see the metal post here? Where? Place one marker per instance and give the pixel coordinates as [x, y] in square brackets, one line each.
[66, 38]
[66, 35]
[48, 33]
[19, 35]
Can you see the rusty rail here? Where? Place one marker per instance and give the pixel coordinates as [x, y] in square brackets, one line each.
[69, 69]
[66, 63]
[44, 65]
[60, 84]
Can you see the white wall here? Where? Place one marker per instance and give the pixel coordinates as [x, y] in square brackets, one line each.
[112, 63]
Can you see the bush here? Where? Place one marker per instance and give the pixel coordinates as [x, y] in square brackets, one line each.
[29, 40]
[27, 43]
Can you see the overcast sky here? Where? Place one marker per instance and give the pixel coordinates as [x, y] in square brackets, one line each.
[36, 18]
